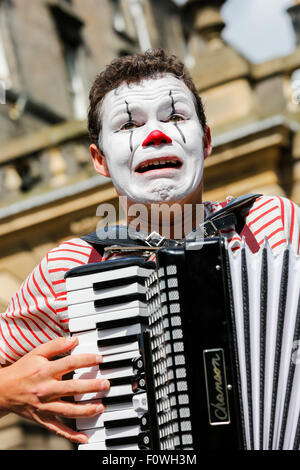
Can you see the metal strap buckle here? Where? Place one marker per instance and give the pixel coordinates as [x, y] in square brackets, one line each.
[154, 239]
[203, 228]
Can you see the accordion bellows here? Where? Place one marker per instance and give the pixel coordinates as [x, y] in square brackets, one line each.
[266, 329]
[201, 348]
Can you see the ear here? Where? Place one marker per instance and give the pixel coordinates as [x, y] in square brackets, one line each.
[99, 160]
[207, 142]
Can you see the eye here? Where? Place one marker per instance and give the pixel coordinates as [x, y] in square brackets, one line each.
[127, 126]
[176, 118]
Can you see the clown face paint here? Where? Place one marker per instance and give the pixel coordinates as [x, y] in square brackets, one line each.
[152, 140]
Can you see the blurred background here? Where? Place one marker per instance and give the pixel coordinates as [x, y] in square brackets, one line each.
[244, 56]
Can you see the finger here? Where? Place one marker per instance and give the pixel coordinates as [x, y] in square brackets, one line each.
[65, 388]
[77, 361]
[55, 347]
[53, 424]
[73, 410]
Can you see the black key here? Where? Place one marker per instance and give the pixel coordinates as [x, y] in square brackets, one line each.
[121, 322]
[118, 282]
[115, 364]
[119, 340]
[119, 441]
[114, 400]
[118, 423]
[120, 300]
[121, 380]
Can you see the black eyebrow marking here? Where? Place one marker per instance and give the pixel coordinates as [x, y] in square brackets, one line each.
[128, 111]
[172, 114]
[130, 120]
[172, 103]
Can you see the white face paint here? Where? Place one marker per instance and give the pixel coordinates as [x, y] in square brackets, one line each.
[170, 170]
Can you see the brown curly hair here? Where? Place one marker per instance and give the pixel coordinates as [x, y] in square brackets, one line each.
[133, 69]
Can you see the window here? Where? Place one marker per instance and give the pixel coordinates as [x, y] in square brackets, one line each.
[122, 22]
[76, 83]
[69, 29]
[4, 70]
[130, 23]
[138, 15]
[295, 87]
[5, 78]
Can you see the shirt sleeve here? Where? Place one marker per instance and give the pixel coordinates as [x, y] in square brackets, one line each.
[290, 213]
[277, 219]
[38, 311]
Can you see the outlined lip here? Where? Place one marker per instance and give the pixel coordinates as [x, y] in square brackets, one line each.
[150, 161]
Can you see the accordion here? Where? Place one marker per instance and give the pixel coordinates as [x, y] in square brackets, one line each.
[201, 348]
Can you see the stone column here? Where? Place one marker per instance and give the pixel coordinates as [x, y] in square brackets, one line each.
[203, 25]
[294, 12]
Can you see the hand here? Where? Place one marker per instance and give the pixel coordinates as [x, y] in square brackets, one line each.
[32, 387]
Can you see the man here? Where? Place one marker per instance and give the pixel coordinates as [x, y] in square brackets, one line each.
[149, 135]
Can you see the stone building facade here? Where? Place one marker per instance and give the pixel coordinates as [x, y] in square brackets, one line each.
[50, 52]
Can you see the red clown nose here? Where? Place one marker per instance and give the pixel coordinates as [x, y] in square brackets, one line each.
[156, 138]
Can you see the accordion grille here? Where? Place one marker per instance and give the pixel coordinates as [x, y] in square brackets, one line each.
[168, 360]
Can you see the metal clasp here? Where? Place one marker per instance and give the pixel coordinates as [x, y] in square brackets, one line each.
[154, 239]
[203, 228]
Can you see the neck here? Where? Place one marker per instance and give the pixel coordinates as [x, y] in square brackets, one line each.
[173, 220]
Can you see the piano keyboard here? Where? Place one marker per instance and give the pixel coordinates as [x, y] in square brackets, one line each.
[108, 313]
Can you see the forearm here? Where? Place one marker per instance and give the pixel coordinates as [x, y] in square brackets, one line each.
[3, 413]
[3, 410]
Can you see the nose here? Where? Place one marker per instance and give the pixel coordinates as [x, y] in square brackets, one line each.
[156, 138]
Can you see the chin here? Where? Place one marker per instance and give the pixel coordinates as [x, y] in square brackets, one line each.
[162, 192]
[165, 197]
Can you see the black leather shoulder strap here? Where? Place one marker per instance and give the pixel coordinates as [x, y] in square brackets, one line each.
[121, 235]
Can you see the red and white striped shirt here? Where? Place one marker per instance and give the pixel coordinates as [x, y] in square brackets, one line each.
[38, 311]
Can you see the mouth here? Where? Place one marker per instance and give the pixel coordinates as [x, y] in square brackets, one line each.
[155, 164]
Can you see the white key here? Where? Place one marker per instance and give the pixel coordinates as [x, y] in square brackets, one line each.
[92, 349]
[122, 414]
[120, 357]
[93, 336]
[108, 358]
[107, 374]
[118, 406]
[95, 435]
[100, 434]
[118, 348]
[115, 391]
[100, 420]
[107, 350]
[85, 316]
[89, 423]
[102, 446]
[87, 280]
[88, 295]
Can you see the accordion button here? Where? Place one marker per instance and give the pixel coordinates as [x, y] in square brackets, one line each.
[137, 365]
[144, 422]
[144, 440]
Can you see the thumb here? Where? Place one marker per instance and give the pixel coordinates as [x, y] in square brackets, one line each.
[55, 347]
